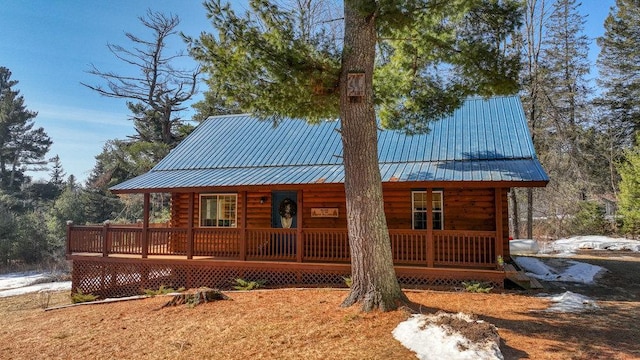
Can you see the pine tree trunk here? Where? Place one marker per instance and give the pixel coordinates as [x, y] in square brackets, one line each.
[374, 282]
[515, 216]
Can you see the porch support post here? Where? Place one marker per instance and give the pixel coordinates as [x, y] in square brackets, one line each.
[69, 226]
[105, 239]
[430, 242]
[299, 241]
[499, 232]
[145, 226]
[190, 227]
[243, 228]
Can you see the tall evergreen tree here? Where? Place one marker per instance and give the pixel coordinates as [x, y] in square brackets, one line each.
[22, 146]
[57, 173]
[566, 66]
[562, 114]
[431, 54]
[619, 66]
[630, 190]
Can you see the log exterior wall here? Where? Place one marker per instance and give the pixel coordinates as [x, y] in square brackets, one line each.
[464, 208]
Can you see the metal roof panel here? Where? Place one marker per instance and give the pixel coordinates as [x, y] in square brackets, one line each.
[484, 140]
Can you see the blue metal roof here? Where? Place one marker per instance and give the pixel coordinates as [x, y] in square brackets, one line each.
[484, 140]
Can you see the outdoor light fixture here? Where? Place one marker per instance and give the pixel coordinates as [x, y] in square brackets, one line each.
[263, 199]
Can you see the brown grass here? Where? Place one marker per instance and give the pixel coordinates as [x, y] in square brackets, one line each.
[300, 324]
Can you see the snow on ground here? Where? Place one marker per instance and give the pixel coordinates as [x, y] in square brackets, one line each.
[52, 286]
[28, 282]
[430, 341]
[568, 246]
[570, 302]
[578, 272]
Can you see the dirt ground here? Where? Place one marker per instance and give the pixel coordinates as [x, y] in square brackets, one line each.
[620, 283]
[309, 324]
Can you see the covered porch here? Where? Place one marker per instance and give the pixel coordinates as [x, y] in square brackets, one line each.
[436, 248]
[116, 260]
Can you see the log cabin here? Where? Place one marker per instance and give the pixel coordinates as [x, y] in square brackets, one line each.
[256, 201]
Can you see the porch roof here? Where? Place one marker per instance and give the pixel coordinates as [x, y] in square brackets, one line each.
[484, 140]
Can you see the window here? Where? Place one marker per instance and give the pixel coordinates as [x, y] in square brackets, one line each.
[419, 201]
[218, 210]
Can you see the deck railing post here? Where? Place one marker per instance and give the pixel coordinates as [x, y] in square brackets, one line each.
[106, 239]
[190, 227]
[242, 246]
[499, 233]
[299, 242]
[145, 227]
[430, 241]
[69, 226]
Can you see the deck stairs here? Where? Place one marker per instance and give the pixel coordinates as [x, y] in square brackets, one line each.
[519, 278]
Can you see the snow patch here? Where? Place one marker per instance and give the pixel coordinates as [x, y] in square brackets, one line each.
[569, 246]
[52, 286]
[30, 281]
[571, 302]
[21, 279]
[592, 242]
[422, 335]
[577, 272]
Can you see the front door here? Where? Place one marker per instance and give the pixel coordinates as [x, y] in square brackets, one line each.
[284, 207]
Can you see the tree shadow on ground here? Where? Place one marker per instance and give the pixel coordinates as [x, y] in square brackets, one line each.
[620, 281]
[606, 333]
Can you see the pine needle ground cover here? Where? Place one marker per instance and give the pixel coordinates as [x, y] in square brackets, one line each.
[301, 324]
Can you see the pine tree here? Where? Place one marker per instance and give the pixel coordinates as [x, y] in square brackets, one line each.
[563, 114]
[22, 147]
[57, 173]
[415, 60]
[566, 66]
[155, 96]
[629, 197]
[619, 66]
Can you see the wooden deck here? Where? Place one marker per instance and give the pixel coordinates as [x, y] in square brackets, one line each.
[438, 248]
[122, 260]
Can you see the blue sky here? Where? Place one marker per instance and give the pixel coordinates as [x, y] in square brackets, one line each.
[49, 46]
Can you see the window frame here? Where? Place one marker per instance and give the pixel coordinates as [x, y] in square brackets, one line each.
[426, 211]
[233, 221]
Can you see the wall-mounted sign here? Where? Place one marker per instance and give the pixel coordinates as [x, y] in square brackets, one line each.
[324, 212]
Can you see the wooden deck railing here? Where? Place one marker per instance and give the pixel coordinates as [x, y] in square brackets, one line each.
[468, 248]
[271, 244]
[326, 245]
[409, 247]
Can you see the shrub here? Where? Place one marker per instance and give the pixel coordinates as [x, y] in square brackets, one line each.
[242, 284]
[477, 287]
[589, 220]
[162, 290]
[629, 196]
[80, 297]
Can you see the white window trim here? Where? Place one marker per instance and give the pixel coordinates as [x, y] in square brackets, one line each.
[413, 208]
[218, 195]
